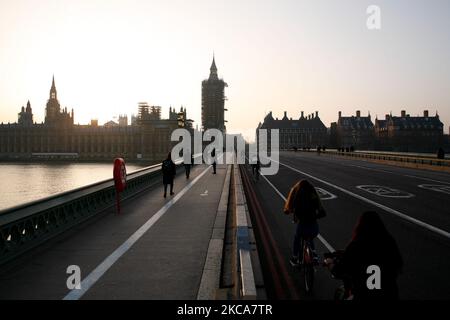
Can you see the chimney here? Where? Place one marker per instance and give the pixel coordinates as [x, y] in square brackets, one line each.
[387, 117]
[340, 114]
[425, 113]
[285, 114]
[403, 113]
[302, 115]
[317, 114]
[358, 113]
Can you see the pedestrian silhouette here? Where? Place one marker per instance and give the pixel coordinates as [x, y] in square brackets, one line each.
[371, 244]
[168, 171]
[213, 155]
[187, 166]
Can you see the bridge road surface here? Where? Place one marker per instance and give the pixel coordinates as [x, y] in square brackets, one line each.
[426, 252]
[165, 263]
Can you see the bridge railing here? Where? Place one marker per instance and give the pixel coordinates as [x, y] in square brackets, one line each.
[26, 226]
[387, 157]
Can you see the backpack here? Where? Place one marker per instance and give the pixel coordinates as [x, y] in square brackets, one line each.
[166, 167]
[308, 210]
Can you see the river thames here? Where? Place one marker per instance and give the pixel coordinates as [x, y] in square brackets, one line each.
[25, 182]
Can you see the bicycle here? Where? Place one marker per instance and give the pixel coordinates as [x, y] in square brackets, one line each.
[341, 292]
[308, 263]
[255, 171]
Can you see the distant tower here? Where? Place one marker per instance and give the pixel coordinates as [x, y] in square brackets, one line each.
[123, 120]
[213, 101]
[26, 115]
[53, 108]
[53, 113]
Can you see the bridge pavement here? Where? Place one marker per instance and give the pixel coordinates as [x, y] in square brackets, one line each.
[155, 249]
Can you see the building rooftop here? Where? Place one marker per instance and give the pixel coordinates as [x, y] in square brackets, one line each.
[311, 121]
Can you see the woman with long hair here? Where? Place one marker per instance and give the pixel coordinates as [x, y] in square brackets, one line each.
[371, 247]
[304, 203]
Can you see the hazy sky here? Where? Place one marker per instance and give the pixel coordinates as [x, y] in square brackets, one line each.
[275, 55]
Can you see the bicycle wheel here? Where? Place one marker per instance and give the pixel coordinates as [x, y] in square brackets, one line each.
[308, 269]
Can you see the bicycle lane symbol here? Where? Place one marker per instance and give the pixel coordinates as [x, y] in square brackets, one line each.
[383, 191]
[325, 195]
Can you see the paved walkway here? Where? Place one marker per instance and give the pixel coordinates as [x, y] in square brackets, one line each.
[155, 249]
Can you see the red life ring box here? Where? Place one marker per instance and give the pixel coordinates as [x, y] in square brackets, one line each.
[120, 174]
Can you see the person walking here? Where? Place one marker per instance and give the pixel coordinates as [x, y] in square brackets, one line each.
[214, 164]
[441, 153]
[168, 171]
[187, 166]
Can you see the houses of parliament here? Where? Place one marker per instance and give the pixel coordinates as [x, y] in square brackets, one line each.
[146, 139]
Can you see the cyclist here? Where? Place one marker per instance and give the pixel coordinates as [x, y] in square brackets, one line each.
[255, 168]
[371, 245]
[305, 205]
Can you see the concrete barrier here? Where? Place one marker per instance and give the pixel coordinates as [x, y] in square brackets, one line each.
[210, 281]
[247, 277]
[416, 162]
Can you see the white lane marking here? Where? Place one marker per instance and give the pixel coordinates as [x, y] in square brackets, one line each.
[399, 174]
[376, 204]
[436, 187]
[387, 192]
[367, 168]
[426, 179]
[98, 272]
[325, 243]
[322, 239]
[204, 193]
[325, 195]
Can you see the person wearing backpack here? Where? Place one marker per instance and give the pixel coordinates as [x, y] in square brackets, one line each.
[305, 205]
[168, 171]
